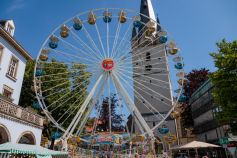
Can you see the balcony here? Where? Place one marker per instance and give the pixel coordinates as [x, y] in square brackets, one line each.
[20, 113]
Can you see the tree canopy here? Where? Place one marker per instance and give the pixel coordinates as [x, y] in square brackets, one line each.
[225, 80]
[195, 79]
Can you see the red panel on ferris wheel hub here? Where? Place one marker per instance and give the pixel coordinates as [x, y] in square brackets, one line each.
[108, 64]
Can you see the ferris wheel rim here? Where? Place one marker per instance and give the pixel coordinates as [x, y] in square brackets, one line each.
[35, 86]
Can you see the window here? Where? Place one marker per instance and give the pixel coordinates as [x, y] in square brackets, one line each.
[148, 56]
[12, 69]
[7, 91]
[148, 67]
[154, 124]
[1, 53]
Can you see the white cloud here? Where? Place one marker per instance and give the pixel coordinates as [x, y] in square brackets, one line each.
[16, 4]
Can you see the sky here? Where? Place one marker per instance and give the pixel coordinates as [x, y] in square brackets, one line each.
[196, 25]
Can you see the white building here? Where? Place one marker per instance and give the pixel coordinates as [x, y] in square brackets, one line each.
[17, 125]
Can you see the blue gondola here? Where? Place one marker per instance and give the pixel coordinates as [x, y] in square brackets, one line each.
[137, 21]
[163, 130]
[163, 39]
[53, 45]
[39, 72]
[56, 135]
[107, 17]
[36, 105]
[178, 66]
[182, 98]
[137, 24]
[77, 26]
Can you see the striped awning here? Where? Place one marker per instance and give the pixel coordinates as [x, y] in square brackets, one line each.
[13, 148]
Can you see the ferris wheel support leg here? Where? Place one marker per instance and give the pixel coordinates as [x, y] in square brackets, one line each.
[76, 119]
[90, 109]
[131, 111]
[132, 106]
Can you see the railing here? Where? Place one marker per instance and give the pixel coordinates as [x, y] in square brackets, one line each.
[21, 113]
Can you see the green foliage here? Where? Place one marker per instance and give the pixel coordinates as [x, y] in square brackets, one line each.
[63, 87]
[27, 95]
[225, 80]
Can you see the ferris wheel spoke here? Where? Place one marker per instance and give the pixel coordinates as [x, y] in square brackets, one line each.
[143, 85]
[122, 42]
[80, 41]
[70, 108]
[150, 106]
[127, 59]
[120, 108]
[78, 76]
[128, 45]
[115, 39]
[99, 36]
[90, 109]
[75, 56]
[139, 53]
[131, 105]
[77, 117]
[108, 50]
[92, 41]
[66, 101]
[145, 76]
[78, 49]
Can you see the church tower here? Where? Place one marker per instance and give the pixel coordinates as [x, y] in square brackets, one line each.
[150, 69]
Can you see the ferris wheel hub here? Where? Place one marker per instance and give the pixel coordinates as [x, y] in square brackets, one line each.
[108, 64]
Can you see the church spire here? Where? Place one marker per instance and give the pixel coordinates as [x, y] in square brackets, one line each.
[146, 9]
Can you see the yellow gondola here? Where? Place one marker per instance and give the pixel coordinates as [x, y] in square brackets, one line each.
[174, 114]
[91, 18]
[64, 31]
[122, 17]
[43, 57]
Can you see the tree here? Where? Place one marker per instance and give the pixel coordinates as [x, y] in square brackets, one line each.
[116, 119]
[27, 96]
[225, 81]
[195, 79]
[64, 87]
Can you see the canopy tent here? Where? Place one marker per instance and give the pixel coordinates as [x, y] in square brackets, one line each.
[12, 148]
[195, 145]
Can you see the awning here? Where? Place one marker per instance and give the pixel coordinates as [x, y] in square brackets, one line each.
[13, 148]
[195, 145]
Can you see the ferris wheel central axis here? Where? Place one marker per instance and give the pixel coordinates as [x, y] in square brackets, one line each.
[108, 64]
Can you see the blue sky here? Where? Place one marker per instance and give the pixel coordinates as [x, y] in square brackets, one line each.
[196, 25]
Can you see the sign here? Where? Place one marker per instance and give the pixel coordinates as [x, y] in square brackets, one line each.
[223, 140]
[108, 64]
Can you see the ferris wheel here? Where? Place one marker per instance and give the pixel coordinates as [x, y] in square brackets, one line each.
[106, 53]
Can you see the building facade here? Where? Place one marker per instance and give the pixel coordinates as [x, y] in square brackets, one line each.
[206, 127]
[149, 68]
[17, 124]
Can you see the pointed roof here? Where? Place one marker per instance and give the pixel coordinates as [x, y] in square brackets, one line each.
[146, 8]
